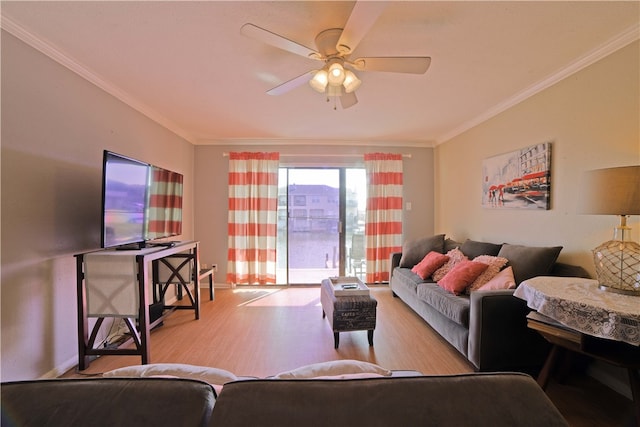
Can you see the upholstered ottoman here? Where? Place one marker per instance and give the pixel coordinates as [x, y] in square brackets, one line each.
[348, 313]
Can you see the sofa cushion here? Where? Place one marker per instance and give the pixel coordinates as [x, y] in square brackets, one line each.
[502, 280]
[456, 400]
[450, 244]
[455, 256]
[495, 264]
[408, 278]
[414, 250]
[333, 368]
[530, 261]
[455, 308]
[472, 248]
[430, 263]
[462, 276]
[107, 402]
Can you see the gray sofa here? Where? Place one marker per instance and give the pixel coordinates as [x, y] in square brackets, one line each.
[489, 328]
[506, 399]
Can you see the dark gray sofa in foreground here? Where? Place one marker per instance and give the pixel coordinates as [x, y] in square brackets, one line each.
[505, 399]
[489, 328]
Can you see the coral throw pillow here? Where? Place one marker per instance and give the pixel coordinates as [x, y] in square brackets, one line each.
[461, 276]
[503, 280]
[455, 256]
[430, 263]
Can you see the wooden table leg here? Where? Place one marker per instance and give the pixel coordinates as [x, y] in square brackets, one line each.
[545, 373]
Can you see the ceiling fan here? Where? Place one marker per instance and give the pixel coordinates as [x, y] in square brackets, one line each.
[334, 47]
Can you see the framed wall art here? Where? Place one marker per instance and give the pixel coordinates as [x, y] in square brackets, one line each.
[520, 179]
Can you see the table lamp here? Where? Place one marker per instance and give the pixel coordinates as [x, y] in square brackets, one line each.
[615, 191]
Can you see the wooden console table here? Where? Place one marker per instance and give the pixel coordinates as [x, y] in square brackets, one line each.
[575, 314]
[128, 297]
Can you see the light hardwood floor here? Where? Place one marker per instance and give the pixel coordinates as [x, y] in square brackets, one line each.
[258, 331]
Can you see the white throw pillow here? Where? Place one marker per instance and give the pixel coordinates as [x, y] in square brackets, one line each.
[213, 376]
[334, 368]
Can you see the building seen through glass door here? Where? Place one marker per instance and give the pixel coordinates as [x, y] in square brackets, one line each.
[320, 224]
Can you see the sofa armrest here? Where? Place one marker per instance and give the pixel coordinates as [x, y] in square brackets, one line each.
[499, 338]
[567, 270]
[394, 262]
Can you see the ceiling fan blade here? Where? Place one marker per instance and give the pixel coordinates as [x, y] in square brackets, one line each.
[362, 18]
[291, 84]
[348, 100]
[398, 64]
[276, 40]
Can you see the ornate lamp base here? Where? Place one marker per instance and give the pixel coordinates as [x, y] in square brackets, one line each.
[618, 266]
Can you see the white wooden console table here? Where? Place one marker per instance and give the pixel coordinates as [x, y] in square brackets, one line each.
[115, 283]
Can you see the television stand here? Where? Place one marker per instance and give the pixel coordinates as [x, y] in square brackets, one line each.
[135, 294]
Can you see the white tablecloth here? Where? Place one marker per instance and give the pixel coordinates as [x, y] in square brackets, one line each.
[581, 305]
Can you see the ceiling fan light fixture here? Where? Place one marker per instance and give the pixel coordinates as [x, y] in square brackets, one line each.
[351, 81]
[336, 73]
[319, 81]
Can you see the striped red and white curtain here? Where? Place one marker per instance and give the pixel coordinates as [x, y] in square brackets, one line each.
[165, 203]
[383, 229]
[253, 208]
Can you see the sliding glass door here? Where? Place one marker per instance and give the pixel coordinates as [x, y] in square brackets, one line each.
[320, 224]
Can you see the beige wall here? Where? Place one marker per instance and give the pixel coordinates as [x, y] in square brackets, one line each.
[55, 126]
[592, 119]
[211, 188]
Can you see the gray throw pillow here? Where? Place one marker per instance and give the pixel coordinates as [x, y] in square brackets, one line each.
[414, 250]
[472, 248]
[530, 261]
[450, 244]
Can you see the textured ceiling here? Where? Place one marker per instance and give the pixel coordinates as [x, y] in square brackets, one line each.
[186, 65]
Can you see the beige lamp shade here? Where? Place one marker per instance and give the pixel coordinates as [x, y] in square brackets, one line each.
[612, 191]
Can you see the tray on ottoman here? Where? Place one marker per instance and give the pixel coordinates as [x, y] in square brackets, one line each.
[348, 313]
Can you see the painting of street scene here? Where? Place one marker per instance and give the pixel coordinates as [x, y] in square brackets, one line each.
[518, 180]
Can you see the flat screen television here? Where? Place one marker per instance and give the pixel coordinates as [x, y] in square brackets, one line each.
[140, 202]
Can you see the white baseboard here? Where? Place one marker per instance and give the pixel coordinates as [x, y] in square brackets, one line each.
[62, 368]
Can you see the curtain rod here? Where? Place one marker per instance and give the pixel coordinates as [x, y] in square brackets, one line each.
[408, 156]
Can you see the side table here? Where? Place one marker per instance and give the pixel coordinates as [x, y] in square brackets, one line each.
[576, 315]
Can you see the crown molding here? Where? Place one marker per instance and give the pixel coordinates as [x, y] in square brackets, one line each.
[67, 61]
[614, 44]
[315, 142]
